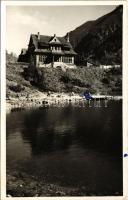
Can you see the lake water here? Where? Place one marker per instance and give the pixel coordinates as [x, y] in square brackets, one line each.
[69, 146]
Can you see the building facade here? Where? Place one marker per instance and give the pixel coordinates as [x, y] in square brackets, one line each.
[44, 49]
[23, 57]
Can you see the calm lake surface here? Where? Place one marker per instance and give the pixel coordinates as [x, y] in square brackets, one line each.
[69, 146]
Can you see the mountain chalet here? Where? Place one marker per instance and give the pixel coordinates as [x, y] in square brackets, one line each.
[43, 50]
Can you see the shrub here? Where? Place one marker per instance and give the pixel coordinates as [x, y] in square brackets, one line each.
[94, 79]
[16, 88]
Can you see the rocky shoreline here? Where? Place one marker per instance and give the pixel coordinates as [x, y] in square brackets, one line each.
[39, 99]
[46, 99]
[20, 184]
[23, 185]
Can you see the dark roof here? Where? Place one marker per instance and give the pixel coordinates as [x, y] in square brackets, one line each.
[71, 51]
[44, 40]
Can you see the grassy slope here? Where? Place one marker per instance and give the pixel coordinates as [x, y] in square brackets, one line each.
[78, 80]
[21, 80]
[95, 80]
[16, 85]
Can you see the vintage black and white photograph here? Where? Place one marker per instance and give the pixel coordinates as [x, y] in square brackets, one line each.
[64, 130]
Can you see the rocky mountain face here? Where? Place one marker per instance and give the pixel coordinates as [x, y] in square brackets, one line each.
[99, 41]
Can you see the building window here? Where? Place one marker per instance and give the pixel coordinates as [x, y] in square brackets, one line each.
[55, 48]
[70, 60]
[42, 58]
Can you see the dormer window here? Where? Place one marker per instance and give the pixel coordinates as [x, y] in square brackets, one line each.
[55, 48]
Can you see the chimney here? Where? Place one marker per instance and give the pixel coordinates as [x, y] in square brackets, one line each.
[54, 35]
[38, 35]
[67, 37]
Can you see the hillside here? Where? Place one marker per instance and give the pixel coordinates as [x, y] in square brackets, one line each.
[77, 80]
[100, 41]
[16, 85]
[21, 81]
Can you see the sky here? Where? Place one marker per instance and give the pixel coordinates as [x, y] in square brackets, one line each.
[21, 21]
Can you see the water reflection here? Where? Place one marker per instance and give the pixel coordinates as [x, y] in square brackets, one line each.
[45, 133]
[70, 144]
[52, 129]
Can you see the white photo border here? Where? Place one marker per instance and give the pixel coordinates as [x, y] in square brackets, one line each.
[125, 92]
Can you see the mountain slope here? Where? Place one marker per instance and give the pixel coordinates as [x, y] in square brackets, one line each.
[100, 41]
[77, 34]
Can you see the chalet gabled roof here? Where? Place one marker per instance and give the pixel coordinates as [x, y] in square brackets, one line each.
[42, 43]
[55, 40]
[45, 40]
